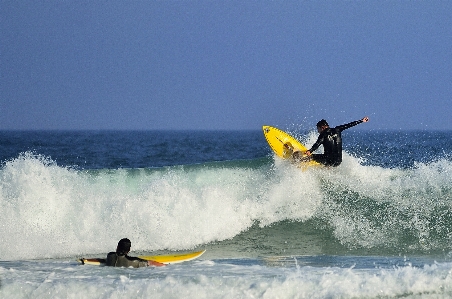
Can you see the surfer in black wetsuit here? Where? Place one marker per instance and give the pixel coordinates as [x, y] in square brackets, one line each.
[331, 140]
[121, 259]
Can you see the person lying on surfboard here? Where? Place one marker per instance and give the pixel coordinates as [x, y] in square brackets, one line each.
[121, 259]
[331, 140]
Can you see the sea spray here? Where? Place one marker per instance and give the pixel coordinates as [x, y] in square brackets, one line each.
[409, 209]
[51, 211]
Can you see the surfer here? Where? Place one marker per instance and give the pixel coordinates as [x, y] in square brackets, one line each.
[121, 259]
[331, 140]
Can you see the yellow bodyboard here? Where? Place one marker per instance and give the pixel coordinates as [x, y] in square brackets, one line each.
[284, 145]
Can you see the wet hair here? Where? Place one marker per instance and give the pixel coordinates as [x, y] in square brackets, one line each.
[123, 246]
[322, 123]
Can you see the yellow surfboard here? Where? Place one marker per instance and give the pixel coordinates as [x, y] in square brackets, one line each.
[283, 144]
[164, 259]
[174, 258]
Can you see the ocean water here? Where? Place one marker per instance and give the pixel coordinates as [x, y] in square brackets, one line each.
[379, 225]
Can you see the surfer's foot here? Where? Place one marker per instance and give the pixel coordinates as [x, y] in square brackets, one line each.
[298, 157]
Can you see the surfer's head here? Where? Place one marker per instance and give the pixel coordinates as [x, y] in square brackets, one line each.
[321, 125]
[123, 246]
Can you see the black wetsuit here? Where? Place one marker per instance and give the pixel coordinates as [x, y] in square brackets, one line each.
[116, 260]
[331, 140]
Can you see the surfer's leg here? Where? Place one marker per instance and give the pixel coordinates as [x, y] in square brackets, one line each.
[322, 159]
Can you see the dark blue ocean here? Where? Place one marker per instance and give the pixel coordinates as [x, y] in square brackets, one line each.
[379, 225]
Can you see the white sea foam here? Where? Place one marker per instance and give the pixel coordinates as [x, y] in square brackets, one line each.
[50, 211]
[211, 279]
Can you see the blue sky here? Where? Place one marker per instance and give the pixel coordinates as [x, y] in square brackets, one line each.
[225, 64]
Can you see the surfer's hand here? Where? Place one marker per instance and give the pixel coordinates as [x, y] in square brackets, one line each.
[307, 153]
[365, 119]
